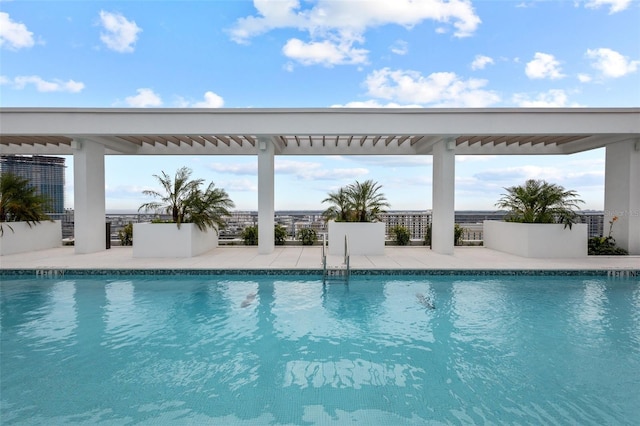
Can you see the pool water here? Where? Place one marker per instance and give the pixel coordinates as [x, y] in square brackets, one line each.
[386, 350]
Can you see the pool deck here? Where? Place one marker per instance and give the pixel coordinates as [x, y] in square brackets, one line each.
[308, 258]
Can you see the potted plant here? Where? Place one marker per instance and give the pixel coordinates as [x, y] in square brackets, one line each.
[540, 222]
[196, 214]
[249, 235]
[354, 213]
[401, 235]
[24, 226]
[308, 236]
[606, 246]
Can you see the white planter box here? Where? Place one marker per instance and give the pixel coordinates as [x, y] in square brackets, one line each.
[540, 240]
[365, 238]
[23, 238]
[166, 240]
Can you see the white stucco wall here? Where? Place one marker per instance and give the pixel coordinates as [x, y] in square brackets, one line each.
[166, 240]
[364, 238]
[622, 193]
[89, 196]
[23, 238]
[539, 240]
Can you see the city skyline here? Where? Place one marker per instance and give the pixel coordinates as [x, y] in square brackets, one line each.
[290, 54]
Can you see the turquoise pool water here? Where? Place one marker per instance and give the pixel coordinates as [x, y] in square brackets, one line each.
[386, 350]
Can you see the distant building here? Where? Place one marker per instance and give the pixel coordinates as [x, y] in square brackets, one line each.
[46, 174]
[464, 217]
[415, 221]
[595, 220]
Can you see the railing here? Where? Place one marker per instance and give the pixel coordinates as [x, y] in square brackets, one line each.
[324, 257]
[343, 270]
[346, 259]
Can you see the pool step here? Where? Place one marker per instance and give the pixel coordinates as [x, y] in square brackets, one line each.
[336, 271]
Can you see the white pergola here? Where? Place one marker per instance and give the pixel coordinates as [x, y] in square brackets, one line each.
[90, 134]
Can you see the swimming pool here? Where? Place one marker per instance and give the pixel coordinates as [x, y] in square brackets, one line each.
[290, 350]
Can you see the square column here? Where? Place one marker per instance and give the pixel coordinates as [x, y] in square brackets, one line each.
[266, 239]
[88, 194]
[443, 217]
[622, 194]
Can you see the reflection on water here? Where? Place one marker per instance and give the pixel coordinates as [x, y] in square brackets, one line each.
[346, 373]
[280, 350]
[591, 312]
[56, 319]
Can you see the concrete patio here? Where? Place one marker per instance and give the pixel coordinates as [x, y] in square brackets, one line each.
[309, 257]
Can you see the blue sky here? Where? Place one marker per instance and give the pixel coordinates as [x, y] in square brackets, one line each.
[327, 53]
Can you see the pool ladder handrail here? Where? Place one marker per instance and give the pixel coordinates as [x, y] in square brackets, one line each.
[324, 256]
[344, 270]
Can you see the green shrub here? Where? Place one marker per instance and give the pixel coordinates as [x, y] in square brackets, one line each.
[427, 236]
[457, 234]
[279, 235]
[605, 246]
[308, 236]
[250, 235]
[126, 235]
[401, 235]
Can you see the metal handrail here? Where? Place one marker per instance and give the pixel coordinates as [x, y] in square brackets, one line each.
[324, 256]
[346, 258]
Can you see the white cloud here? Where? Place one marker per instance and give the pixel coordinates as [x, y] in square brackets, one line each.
[236, 168]
[481, 61]
[544, 65]
[41, 85]
[387, 161]
[120, 34]
[144, 99]
[240, 185]
[14, 35]
[614, 5]
[373, 104]
[584, 78]
[611, 63]
[301, 170]
[400, 47]
[444, 89]
[211, 100]
[521, 173]
[307, 170]
[549, 99]
[325, 52]
[334, 26]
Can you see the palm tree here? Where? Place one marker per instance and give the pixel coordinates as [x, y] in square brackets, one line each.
[208, 209]
[187, 203]
[357, 202]
[366, 201]
[19, 201]
[341, 208]
[540, 202]
[176, 193]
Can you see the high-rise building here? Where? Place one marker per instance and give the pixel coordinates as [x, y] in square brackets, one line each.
[46, 174]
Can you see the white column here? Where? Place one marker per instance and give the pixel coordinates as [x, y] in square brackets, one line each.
[443, 218]
[622, 194]
[266, 240]
[88, 196]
